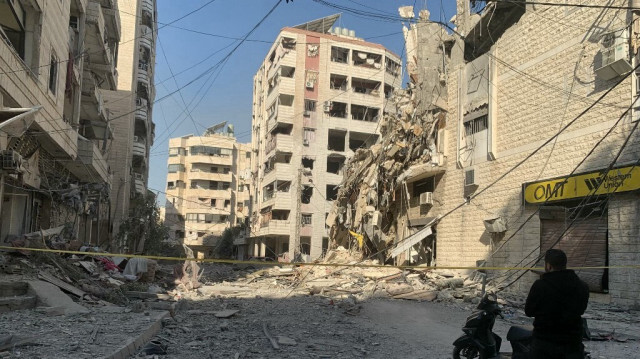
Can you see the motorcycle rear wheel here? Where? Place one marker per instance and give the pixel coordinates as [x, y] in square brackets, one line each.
[467, 352]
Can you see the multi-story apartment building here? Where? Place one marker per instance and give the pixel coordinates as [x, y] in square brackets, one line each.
[541, 145]
[57, 58]
[208, 189]
[318, 97]
[131, 106]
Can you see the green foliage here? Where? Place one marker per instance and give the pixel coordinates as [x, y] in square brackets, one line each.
[143, 231]
[224, 246]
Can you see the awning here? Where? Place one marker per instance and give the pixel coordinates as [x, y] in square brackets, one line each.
[410, 241]
[16, 121]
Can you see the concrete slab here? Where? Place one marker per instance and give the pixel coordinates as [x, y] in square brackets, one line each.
[49, 295]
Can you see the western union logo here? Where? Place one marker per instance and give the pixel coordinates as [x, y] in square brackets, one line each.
[622, 179]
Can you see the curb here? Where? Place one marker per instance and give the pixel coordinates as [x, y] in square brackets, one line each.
[134, 344]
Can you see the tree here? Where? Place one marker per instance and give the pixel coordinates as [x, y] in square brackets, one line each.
[142, 232]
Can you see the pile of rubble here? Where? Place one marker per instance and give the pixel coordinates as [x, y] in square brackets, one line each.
[366, 199]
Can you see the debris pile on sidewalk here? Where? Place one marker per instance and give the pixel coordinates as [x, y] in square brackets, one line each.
[366, 201]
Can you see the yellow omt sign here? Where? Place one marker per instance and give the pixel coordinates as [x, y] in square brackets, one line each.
[622, 179]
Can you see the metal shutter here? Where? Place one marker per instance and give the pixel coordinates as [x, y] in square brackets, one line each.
[585, 243]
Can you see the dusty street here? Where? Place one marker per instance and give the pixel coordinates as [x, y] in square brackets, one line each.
[316, 327]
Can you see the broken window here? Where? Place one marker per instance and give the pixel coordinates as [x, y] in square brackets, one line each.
[12, 25]
[366, 87]
[227, 203]
[286, 100]
[476, 125]
[305, 245]
[332, 192]
[213, 202]
[422, 186]
[287, 71]
[309, 105]
[392, 67]
[280, 214]
[305, 219]
[338, 82]
[311, 77]
[367, 59]
[226, 185]
[307, 163]
[335, 164]
[226, 170]
[289, 43]
[338, 109]
[309, 136]
[173, 168]
[53, 74]
[307, 193]
[361, 140]
[313, 50]
[171, 185]
[339, 54]
[388, 91]
[210, 151]
[364, 113]
[336, 140]
[194, 184]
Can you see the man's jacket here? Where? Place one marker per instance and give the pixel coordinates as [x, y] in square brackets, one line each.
[557, 300]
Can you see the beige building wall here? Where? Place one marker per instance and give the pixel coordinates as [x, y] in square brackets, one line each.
[293, 144]
[207, 188]
[539, 75]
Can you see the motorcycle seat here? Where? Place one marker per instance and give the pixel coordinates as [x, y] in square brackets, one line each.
[519, 332]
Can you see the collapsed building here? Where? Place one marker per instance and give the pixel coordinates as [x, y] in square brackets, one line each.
[476, 167]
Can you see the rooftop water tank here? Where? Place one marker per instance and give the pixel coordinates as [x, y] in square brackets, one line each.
[352, 33]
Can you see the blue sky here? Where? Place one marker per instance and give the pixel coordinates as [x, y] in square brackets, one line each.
[229, 97]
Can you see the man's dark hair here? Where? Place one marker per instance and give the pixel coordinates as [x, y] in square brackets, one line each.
[556, 258]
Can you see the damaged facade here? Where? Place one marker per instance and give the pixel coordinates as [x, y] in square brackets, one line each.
[319, 98]
[208, 189]
[482, 99]
[57, 71]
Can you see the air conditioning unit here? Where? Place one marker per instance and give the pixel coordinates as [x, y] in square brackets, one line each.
[615, 55]
[305, 142]
[469, 178]
[426, 198]
[327, 106]
[11, 161]
[309, 84]
[306, 113]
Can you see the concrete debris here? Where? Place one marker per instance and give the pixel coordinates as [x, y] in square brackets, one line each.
[366, 202]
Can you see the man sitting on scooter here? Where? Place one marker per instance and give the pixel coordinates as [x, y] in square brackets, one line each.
[557, 300]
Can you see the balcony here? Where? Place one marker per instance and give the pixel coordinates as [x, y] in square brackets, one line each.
[90, 166]
[281, 141]
[148, 6]
[97, 45]
[146, 37]
[211, 160]
[280, 171]
[92, 106]
[196, 174]
[277, 227]
[138, 180]
[143, 73]
[139, 147]
[277, 200]
[142, 110]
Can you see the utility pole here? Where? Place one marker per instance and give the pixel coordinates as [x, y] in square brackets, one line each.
[296, 232]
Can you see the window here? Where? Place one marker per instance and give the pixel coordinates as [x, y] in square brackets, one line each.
[214, 169]
[309, 105]
[306, 219]
[422, 186]
[248, 155]
[53, 74]
[332, 192]
[210, 151]
[309, 136]
[171, 185]
[246, 203]
[227, 203]
[173, 168]
[213, 185]
[339, 54]
[225, 185]
[13, 25]
[213, 202]
[226, 170]
[194, 184]
[475, 125]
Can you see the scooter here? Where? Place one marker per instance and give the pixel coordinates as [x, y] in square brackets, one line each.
[479, 340]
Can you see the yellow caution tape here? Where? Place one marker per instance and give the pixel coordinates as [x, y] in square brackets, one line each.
[356, 265]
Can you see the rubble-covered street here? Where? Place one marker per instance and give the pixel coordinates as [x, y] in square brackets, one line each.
[247, 311]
